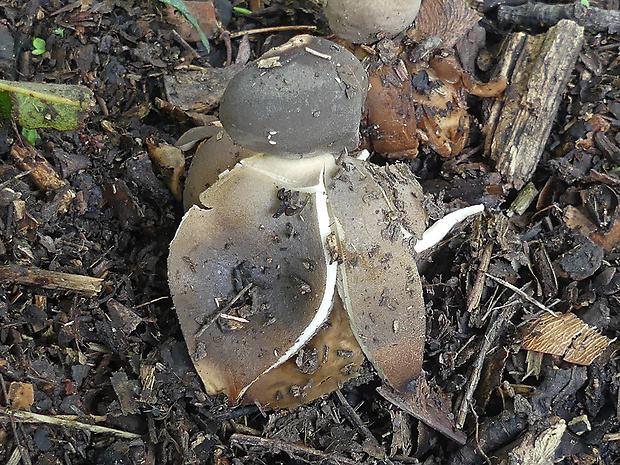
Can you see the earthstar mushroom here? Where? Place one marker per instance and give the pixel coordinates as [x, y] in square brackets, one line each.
[296, 267]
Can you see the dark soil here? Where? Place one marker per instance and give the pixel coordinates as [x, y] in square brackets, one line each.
[116, 358]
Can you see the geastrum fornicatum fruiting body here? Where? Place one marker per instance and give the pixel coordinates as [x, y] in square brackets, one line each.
[295, 266]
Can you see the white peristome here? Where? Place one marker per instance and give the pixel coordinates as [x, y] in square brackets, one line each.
[442, 227]
[301, 174]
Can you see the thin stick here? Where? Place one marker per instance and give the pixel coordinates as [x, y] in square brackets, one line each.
[163, 297]
[476, 372]
[269, 30]
[176, 36]
[16, 177]
[227, 307]
[473, 299]
[29, 417]
[292, 450]
[50, 279]
[522, 294]
[351, 415]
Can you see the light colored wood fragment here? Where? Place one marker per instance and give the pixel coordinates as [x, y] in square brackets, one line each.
[586, 347]
[50, 279]
[535, 447]
[29, 417]
[566, 336]
[42, 173]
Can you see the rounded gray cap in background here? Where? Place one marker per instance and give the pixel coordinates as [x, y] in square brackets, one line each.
[301, 98]
[362, 22]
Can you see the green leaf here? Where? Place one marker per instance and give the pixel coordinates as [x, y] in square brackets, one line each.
[242, 11]
[585, 3]
[30, 135]
[42, 105]
[39, 46]
[180, 6]
[59, 31]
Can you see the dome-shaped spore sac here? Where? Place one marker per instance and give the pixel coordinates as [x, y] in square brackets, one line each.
[302, 98]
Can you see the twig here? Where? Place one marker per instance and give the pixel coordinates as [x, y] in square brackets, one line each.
[50, 279]
[176, 36]
[521, 294]
[41, 172]
[292, 450]
[489, 339]
[537, 14]
[349, 412]
[476, 291]
[29, 417]
[227, 307]
[163, 297]
[225, 36]
[269, 30]
[16, 456]
[477, 436]
[16, 177]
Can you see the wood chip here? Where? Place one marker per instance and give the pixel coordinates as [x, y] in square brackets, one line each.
[566, 336]
[542, 14]
[536, 447]
[538, 69]
[42, 173]
[21, 395]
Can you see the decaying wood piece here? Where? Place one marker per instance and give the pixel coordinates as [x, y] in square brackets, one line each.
[42, 172]
[449, 20]
[50, 279]
[497, 323]
[538, 69]
[535, 447]
[373, 446]
[473, 300]
[198, 90]
[426, 406]
[293, 450]
[566, 336]
[542, 14]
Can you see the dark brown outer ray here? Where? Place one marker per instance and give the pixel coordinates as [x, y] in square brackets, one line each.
[378, 279]
[281, 257]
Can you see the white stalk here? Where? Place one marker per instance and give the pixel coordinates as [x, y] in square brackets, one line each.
[442, 227]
